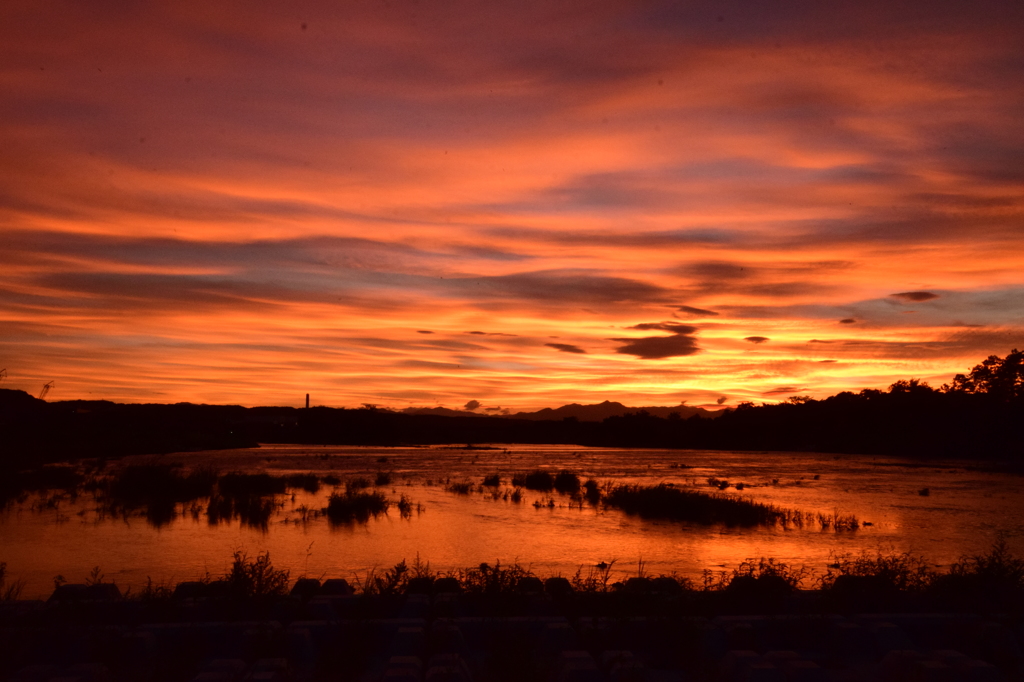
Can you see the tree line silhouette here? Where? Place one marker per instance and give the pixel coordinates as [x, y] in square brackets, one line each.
[976, 415]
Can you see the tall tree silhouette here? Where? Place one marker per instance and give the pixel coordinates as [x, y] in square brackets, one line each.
[1002, 378]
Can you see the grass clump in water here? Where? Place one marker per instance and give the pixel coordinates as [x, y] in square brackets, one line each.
[355, 506]
[15, 484]
[157, 488]
[250, 485]
[406, 507]
[249, 497]
[459, 487]
[143, 483]
[308, 482]
[836, 521]
[492, 481]
[538, 480]
[566, 482]
[666, 502]
[357, 483]
[252, 511]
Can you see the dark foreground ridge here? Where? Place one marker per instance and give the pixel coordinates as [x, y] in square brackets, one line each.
[977, 416]
[885, 618]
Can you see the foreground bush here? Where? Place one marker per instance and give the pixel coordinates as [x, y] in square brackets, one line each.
[9, 591]
[894, 572]
[992, 582]
[255, 577]
[988, 577]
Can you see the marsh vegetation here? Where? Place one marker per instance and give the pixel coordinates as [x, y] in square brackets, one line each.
[582, 504]
[664, 501]
[164, 492]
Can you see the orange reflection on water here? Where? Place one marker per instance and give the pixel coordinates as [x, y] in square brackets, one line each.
[963, 514]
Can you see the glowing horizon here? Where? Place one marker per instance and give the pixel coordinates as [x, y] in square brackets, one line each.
[419, 205]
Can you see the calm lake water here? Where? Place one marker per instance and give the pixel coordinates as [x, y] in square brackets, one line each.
[965, 511]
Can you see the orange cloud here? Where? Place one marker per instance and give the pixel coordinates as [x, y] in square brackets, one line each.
[212, 205]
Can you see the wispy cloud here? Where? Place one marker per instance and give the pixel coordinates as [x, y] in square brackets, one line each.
[680, 344]
[916, 296]
[566, 347]
[696, 312]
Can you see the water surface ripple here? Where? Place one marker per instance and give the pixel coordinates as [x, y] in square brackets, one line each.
[965, 509]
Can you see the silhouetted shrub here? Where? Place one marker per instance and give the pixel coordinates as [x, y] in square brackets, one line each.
[447, 585]
[637, 585]
[255, 577]
[765, 578]
[996, 578]
[153, 592]
[530, 584]
[596, 578]
[493, 480]
[496, 579]
[391, 581]
[420, 585]
[894, 571]
[9, 591]
[669, 585]
[558, 586]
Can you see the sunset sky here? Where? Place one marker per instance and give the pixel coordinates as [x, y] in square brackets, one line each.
[523, 204]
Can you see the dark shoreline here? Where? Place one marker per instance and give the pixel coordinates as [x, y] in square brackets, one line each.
[870, 616]
[918, 423]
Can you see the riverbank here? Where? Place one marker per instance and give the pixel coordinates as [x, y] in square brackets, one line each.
[883, 617]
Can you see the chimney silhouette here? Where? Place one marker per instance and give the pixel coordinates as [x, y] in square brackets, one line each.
[307, 401]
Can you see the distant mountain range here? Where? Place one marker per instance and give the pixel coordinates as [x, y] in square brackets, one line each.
[584, 413]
